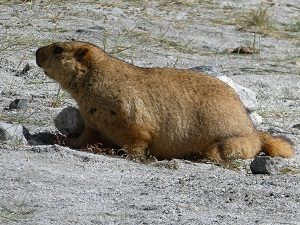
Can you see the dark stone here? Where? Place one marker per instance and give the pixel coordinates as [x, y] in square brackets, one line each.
[69, 122]
[18, 104]
[263, 165]
[24, 71]
[296, 126]
[89, 30]
[82, 31]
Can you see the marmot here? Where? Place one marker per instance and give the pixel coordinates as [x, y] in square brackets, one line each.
[164, 112]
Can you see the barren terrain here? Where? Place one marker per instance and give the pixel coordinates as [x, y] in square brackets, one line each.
[50, 184]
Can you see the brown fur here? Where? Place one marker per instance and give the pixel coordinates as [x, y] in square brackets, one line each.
[165, 112]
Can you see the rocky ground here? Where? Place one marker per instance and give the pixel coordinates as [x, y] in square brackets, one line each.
[50, 184]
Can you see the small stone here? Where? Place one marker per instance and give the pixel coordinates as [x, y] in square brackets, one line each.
[89, 30]
[18, 104]
[263, 165]
[82, 31]
[24, 71]
[12, 134]
[297, 126]
[243, 50]
[69, 122]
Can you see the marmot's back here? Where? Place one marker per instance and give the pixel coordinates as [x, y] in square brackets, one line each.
[191, 109]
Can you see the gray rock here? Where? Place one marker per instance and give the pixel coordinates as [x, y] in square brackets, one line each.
[69, 121]
[297, 126]
[263, 165]
[24, 71]
[18, 104]
[12, 134]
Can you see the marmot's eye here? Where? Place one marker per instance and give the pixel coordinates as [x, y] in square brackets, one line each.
[58, 50]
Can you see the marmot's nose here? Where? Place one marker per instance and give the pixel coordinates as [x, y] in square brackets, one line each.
[39, 57]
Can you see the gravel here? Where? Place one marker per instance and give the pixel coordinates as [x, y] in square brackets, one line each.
[42, 183]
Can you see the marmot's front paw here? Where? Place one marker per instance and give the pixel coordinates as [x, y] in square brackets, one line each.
[59, 139]
[71, 142]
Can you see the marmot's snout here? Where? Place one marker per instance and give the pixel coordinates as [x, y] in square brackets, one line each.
[39, 57]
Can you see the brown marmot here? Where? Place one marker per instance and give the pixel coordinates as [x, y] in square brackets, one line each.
[164, 112]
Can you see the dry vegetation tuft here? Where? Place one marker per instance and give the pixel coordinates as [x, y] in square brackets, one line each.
[259, 18]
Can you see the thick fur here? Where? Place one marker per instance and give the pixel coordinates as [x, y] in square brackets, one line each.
[165, 112]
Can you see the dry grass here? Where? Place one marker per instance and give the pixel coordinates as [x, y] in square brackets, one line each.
[168, 164]
[24, 120]
[294, 27]
[59, 98]
[258, 21]
[16, 213]
[258, 18]
[236, 165]
[177, 2]
[290, 170]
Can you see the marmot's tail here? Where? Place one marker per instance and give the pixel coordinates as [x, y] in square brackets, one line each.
[276, 146]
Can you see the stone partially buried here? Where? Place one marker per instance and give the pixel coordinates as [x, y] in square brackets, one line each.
[12, 134]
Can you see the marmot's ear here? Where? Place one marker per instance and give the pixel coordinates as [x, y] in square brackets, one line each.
[81, 53]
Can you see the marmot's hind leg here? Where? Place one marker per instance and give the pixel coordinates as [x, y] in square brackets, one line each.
[231, 148]
[136, 140]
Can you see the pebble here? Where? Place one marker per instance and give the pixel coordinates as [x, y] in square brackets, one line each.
[24, 71]
[297, 126]
[18, 104]
[263, 165]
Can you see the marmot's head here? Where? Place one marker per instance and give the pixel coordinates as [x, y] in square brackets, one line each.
[66, 62]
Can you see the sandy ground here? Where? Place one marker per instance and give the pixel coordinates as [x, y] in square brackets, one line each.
[49, 184]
